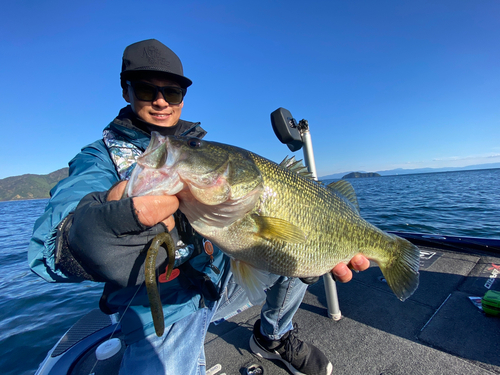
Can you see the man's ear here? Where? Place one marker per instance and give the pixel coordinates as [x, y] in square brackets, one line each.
[125, 95]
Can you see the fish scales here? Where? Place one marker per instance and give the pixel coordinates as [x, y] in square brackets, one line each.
[330, 238]
[288, 196]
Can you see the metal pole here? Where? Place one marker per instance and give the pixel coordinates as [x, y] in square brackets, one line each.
[308, 152]
[332, 299]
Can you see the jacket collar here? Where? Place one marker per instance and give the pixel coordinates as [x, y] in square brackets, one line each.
[130, 126]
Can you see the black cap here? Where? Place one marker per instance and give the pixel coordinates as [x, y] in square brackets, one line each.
[152, 56]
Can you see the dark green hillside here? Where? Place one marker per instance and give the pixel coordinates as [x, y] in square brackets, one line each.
[30, 186]
[360, 175]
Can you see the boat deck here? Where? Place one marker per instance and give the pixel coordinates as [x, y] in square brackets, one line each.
[438, 330]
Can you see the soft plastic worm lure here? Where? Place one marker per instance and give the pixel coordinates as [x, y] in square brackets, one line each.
[150, 273]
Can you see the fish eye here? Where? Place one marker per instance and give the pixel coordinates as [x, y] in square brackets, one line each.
[194, 142]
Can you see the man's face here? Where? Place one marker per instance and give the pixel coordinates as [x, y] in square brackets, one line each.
[157, 112]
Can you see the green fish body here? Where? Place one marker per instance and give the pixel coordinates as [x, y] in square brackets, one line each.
[267, 216]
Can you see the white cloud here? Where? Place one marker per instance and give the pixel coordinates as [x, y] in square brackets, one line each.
[476, 158]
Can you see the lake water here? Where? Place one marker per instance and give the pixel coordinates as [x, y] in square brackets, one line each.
[34, 314]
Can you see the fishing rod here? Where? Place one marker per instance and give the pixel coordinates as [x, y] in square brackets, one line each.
[297, 135]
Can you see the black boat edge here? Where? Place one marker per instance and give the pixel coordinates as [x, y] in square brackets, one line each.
[457, 243]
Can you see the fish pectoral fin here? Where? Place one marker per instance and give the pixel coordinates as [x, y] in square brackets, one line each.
[273, 228]
[253, 281]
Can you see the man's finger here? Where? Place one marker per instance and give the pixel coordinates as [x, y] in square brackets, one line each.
[359, 262]
[155, 208]
[116, 192]
[342, 273]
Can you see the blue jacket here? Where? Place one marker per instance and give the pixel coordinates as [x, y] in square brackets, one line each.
[93, 170]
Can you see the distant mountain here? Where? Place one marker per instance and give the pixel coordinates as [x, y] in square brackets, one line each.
[360, 175]
[400, 171]
[30, 186]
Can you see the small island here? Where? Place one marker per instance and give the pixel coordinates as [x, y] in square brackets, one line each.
[360, 175]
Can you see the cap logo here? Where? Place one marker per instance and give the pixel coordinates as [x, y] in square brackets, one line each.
[153, 55]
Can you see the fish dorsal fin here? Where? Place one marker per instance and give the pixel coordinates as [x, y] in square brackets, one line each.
[345, 189]
[296, 166]
[272, 228]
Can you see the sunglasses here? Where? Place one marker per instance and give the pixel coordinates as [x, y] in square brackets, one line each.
[148, 92]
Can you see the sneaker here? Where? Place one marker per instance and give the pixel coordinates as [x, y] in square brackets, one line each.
[300, 357]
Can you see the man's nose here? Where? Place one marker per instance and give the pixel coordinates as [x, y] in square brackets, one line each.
[160, 100]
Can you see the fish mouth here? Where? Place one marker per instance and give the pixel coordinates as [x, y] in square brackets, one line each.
[154, 173]
[145, 181]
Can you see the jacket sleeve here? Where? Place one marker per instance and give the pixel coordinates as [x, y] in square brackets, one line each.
[90, 171]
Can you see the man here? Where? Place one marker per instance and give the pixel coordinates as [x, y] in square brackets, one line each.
[88, 233]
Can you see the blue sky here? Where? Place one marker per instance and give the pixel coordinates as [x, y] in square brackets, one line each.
[383, 84]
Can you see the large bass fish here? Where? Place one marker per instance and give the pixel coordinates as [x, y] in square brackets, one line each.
[267, 216]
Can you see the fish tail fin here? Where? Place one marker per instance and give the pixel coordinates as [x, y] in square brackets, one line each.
[252, 280]
[401, 269]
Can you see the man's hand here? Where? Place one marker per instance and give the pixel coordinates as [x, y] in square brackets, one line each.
[343, 272]
[150, 210]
